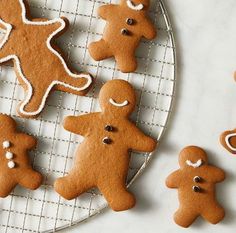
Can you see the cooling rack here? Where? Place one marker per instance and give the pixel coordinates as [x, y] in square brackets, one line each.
[154, 81]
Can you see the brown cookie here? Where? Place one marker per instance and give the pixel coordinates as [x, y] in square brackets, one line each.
[39, 65]
[195, 181]
[228, 140]
[102, 159]
[15, 165]
[126, 24]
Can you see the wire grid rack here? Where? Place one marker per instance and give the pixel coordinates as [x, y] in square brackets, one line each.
[44, 210]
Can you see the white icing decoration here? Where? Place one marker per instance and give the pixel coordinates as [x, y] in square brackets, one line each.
[195, 165]
[227, 141]
[18, 66]
[118, 104]
[6, 144]
[9, 155]
[132, 6]
[11, 164]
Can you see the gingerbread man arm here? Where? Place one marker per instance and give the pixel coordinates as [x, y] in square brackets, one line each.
[107, 11]
[3, 53]
[26, 141]
[53, 25]
[77, 124]
[216, 174]
[173, 180]
[149, 30]
[139, 141]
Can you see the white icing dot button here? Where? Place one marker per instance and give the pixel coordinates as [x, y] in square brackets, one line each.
[6, 144]
[9, 155]
[11, 164]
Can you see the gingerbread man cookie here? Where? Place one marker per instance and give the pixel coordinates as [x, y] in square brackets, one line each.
[228, 140]
[39, 66]
[102, 159]
[15, 165]
[195, 181]
[126, 24]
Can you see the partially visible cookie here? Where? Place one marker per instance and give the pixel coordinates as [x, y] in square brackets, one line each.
[195, 181]
[15, 167]
[39, 64]
[228, 140]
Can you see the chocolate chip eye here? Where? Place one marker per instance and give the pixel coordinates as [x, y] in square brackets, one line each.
[106, 140]
[196, 189]
[125, 32]
[130, 21]
[109, 128]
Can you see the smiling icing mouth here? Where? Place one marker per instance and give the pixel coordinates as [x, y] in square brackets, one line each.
[132, 6]
[113, 102]
[195, 165]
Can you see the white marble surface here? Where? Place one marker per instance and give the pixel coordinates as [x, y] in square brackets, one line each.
[206, 92]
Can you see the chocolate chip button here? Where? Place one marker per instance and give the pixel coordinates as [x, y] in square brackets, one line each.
[125, 32]
[196, 189]
[197, 179]
[129, 21]
[109, 128]
[106, 140]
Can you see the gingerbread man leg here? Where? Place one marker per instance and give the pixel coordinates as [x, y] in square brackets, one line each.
[185, 217]
[126, 63]
[76, 84]
[37, 90]
[213, 213]
[30, 179]
[72, 185]
[7, 184]
[99, 50]
[35, 98]
[116, 194]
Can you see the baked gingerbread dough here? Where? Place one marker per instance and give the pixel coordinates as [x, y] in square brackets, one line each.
[126, 24]
[195, 181]
[38, 63]
[102, 159]
[15, 167]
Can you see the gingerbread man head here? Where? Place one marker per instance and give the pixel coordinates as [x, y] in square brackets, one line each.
[6, 123]
[192, 156]
[117, 97]
[137, 5]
